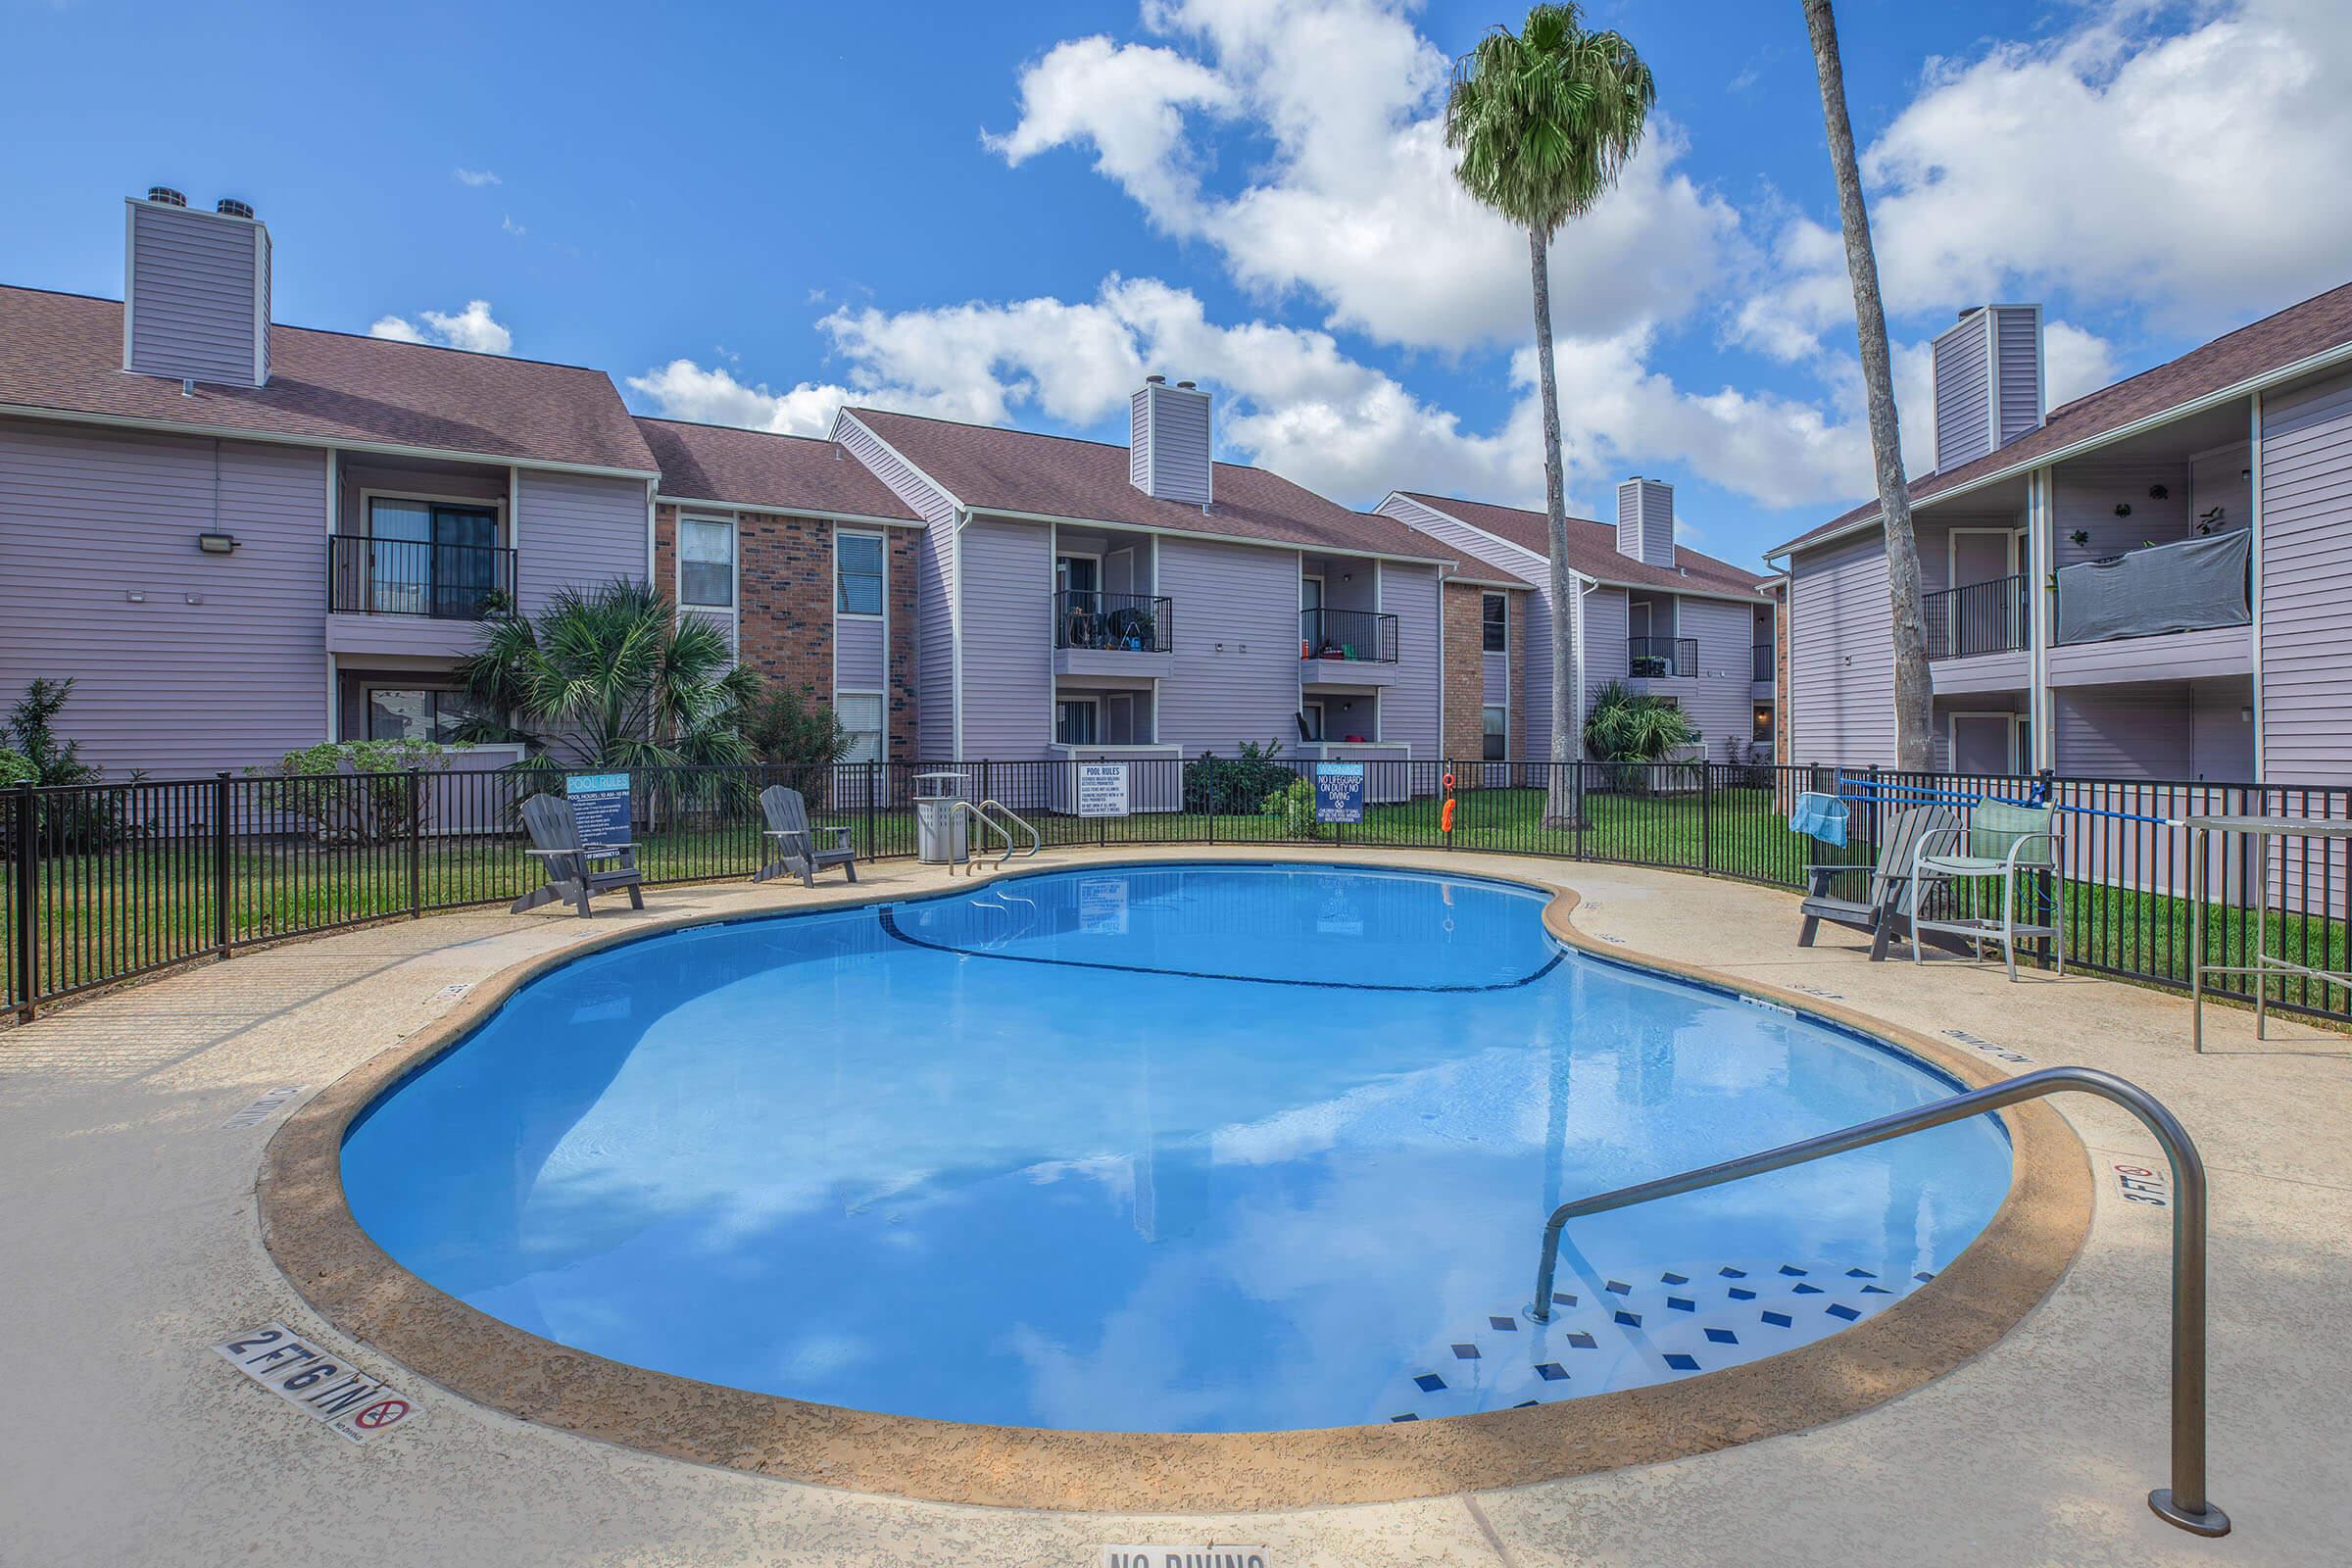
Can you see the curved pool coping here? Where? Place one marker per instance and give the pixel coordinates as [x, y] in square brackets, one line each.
[1949, 1321]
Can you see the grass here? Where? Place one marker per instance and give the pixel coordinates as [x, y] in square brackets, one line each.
[152, 902]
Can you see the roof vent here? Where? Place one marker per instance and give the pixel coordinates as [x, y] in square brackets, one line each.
[1188, 385]
[231, 207]
[1156, 380]
[165, 195]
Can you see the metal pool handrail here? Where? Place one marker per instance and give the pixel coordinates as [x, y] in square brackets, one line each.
[2182, 1504]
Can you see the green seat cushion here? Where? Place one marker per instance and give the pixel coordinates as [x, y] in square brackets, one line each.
[1963, 865]
[1994, 828]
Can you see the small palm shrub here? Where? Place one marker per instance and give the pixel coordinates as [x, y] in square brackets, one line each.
[1635, 731]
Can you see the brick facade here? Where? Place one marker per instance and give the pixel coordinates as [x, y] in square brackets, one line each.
[784, 612]
[1464, 678]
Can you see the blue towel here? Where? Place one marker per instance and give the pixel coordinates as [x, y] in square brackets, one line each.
[1819, 816]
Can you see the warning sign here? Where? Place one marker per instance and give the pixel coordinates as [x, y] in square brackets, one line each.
[1102, 789]
[354, 1405]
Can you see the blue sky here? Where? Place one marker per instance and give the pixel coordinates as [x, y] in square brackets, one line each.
[1011, 212]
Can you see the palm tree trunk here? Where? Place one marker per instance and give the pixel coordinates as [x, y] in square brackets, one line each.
[1565, 789]
[1914, 695]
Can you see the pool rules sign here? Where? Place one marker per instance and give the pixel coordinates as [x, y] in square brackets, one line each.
[350, 1403]
[1102, 789]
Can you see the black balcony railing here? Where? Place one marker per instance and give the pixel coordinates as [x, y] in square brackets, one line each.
[1661, 656]
[1362, 635]
[1986, 618]
[418, 578]
[1135, 623]
[1764, 661]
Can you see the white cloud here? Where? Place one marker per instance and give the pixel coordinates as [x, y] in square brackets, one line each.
[476, 177]
[512, 227]
[1291, 399]
[1357, 204]
[470, 328]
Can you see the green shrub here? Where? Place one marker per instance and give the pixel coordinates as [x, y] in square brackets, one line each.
[15, 769]
[1292, 807]
[69, 823]
[1235, 785]
[355, 792]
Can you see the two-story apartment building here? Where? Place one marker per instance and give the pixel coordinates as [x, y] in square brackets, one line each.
[1650, 614]
[2148, 583]
[238, 537]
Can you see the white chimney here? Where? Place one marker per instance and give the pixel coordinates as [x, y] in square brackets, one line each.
[1167, 442]
[1988, 382]
[195, 291]
[1646, 520]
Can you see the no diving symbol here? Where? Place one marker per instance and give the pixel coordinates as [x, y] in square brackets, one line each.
[380, 1414]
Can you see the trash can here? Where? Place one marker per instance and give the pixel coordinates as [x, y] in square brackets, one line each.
[940, 830]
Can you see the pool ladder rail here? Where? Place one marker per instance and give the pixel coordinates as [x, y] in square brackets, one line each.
[2184, 1504]
[1002, 819]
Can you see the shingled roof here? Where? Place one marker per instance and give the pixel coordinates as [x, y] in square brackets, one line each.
[991, 469]
[2319, 323]
[759, 468]
[64, 353]
[1593, 549]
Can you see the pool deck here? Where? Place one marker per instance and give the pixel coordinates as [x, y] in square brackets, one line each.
[132, 1243]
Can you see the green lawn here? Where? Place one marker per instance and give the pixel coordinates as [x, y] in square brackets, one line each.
[151, 903]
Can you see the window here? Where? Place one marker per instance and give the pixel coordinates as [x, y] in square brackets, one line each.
[1492, 609]
[417, 714]
[860, 714]
[1310, 722]
[1074, 723]
[858, 563]
[706, 563]
[425, 557]
[1498, 736]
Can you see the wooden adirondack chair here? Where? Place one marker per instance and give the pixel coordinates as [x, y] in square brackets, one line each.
[797, 851]
[1889, 896]
[574, 871]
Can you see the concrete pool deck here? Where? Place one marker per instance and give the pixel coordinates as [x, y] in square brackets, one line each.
[133, 1241]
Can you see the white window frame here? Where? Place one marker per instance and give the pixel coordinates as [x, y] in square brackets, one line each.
[882, 598]
[2017, 739]
[881, 732]
[677, 564]
[1486, 594]
[1321, 728]
[1093, 700]
[1952, 553]
[368, 689]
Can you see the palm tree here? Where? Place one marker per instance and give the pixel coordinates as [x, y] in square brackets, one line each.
[610, 678]
[1914, 695]
[1543, 120]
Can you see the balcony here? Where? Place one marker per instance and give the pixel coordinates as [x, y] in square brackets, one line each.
[1099, 633]
[1659, 658]
[370, 576]
[1763, 666]
[1347, 651]
[2177, 611]
[1984, 618]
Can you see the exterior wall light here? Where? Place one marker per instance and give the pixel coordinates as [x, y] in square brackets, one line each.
[217, 544]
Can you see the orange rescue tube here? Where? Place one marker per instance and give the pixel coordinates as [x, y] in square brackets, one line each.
[1445, 821]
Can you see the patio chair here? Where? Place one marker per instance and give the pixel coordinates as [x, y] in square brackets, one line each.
[2003, 840]
[1888, 896]
[574, 871]
[797, 851]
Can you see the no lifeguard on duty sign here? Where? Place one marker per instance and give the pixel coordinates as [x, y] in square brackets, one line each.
[355, 1406]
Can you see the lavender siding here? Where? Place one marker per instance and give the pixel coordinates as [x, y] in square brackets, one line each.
[2084, 495]
[1246, 599]
[1534, 651]
[1961, 373]
[1645, 521]
[191, 288]
[1408, 708]
[933, 585]
[2123, 731]
[1606, 637]
[1005, 573]
[88, 517]
[1841, 655]
[2018, 343]
[1174, 458]
[859, 657]
[1718, 700]
[576, 530]
[2307, 583]
[2173, 655]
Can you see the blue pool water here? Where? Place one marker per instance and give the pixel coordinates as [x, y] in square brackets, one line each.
[1203, 1148]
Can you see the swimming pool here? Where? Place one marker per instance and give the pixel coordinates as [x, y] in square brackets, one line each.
[1209, 1147]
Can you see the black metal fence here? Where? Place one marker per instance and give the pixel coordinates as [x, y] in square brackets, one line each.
[1661, 656]
[108, 882]
[1986, 618]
